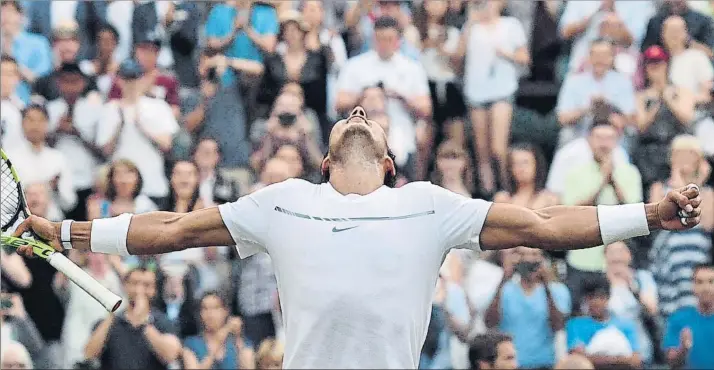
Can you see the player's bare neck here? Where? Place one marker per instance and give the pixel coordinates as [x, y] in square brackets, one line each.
[356, 179]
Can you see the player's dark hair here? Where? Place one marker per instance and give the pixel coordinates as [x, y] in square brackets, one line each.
[111, 192]
[390, 179]
[484, 347]
[385, 22]
[541, 165]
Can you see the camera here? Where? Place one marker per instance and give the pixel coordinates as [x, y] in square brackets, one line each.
[5, 303]
[287, 119]
[212, 75]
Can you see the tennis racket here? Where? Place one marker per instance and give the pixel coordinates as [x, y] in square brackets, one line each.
[13, 208]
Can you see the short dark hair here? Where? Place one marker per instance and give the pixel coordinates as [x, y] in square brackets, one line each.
[214, 293]
[702, 266]
[109, 28]
[35, 106]
[6, 58]
[207, 138]
[385, 22]
[484, 347]
[597, 285]
[13, 3]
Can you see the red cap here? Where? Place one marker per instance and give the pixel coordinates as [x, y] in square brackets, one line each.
[655, 54]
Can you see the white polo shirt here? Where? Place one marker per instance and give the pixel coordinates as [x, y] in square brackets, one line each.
[356, 274]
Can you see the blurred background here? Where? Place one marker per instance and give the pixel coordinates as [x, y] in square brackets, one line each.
[136, 106]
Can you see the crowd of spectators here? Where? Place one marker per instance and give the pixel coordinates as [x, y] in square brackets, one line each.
[135, 106]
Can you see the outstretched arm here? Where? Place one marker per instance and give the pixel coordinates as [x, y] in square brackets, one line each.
[566, 228]
[149, 233]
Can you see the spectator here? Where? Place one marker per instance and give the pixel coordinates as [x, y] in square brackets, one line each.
[313, 13]
[583, 92]
[242, 30]
[221, 344]
[39, 297]
[288, 124]
[31, 51]
[123, 194]
[17, 326]
[599, 181]
[14, 355]
[438, 43]
[74, 117]
[690, 330]
[453, 170]
[214, 188]
[526, 174]
[275, 170]
[699, 25]
[663, 112]
[155, 83]
[495, 48]
[183, 198]
[607, 341]
[405, 84]
[182, 22]
[574, 361]
[492, 350]
[675, 254]
[633, 297]
[43, 17]
[580, 24]
[138, 128]
[219, 112]
[141, 331]
[14, 270]
[10, 111]
[361, 23]
[297, 62]
[65, 49]
[269, 355]
[179, 287]
[38, 163]
[530, 311]
[104, 65]
[82, 311]
[625, 58]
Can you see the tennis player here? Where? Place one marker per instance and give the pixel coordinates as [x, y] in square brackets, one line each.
[357, 260]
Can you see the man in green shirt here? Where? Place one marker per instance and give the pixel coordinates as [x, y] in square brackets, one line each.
[598, 182]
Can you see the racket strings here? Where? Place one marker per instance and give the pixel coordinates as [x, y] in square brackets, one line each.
[9, 195]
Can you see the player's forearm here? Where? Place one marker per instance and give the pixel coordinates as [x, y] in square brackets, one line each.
[155, 232]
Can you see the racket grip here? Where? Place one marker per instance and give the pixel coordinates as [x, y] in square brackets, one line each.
[109, 300]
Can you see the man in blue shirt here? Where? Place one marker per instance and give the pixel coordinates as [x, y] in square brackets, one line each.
[689, 337]
[242, 30]
[530, 310]
[600, 337]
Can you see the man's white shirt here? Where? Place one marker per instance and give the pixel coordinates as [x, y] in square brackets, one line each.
[356, 274]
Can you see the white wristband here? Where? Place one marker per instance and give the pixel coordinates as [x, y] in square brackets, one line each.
[108, 235]
[66, 235]
[622, 222]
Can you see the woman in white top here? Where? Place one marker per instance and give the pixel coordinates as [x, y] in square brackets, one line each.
[438, 42]
[495, 48]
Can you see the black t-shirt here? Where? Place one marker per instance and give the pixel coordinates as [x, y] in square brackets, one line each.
[127, 347]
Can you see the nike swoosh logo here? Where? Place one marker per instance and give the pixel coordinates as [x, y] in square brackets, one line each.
[336, 230]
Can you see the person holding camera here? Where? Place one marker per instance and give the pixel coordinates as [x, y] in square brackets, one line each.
[287, 124]
[18, 326]
[530, 309]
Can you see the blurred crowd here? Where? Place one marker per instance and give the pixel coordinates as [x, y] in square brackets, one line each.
[135, 106]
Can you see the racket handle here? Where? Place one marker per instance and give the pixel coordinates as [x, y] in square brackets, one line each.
[109, 300]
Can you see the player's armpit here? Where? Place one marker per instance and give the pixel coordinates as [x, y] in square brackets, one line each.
[163, 232]
[552, 228]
